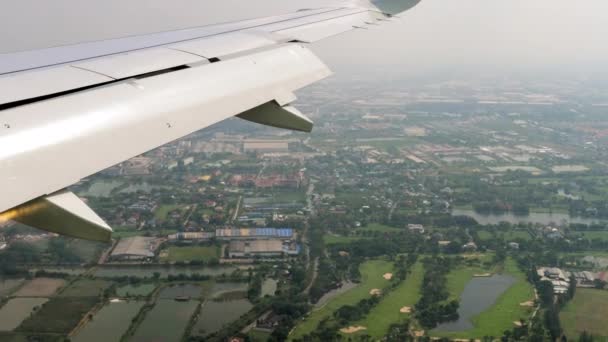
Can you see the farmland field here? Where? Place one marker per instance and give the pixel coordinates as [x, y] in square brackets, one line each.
[58, 315]
[166, 321]
[185, 290]
[16, 310]
[40, 287]
[387, 311]
[214, 315]
[85, 288]
[587, 311]
[110, 323]
[9, 285]
[135, 290]
[193, 253]
[371, 278]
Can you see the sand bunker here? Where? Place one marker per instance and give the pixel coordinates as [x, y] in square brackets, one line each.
[528, 303]
[406, 309]
[481, 275]
[375, 292]
[517, 323]
[352, 330]
[388, 276]
[343, 253]
[419, 333]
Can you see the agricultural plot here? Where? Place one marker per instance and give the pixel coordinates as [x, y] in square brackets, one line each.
[371, 278]
[587, 311]
[192, 253]
[7, 286]
[85, 288]
[166, 321]
[141, 290]
[16, 310]
[40, 287]
[59, 315]
[110, 323]
[396, 306]
[215, 315]
[184, 291]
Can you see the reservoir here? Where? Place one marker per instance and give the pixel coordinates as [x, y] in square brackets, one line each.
[540, 218]
[478, 295]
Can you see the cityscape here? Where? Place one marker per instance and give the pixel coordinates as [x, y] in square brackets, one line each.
[473, 208]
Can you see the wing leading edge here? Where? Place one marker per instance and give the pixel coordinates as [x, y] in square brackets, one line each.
[92, 106]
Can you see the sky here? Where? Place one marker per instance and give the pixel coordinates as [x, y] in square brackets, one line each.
[435, 35]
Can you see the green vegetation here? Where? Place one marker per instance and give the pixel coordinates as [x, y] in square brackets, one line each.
[377, 227]
[192, 253]
[586, 312]
[371, 278]
[387, 312]
[166, 321]
[110, 323]
[58, 315]
[331, 239]
[164, 210]
[85, 288]
[507, 309]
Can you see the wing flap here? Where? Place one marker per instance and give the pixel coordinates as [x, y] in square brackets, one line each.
[225, 44]
[272, 114]
[63, 213]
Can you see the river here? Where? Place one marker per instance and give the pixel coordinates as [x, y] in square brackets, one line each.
[541, 218]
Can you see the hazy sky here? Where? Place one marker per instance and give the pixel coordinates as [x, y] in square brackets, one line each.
[437, 34]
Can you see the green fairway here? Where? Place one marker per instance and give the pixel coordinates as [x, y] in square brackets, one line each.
[164, 210]
[371, 278]
[387, 311]
[192, 253]
[500, 316]
[586, 312]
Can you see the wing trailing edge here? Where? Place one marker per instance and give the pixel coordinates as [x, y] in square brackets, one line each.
[63, 213]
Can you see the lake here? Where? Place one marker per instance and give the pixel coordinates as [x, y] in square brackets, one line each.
[105, 188]
[214, 315]
[185, 290]
[478, 295]
[110, 323]
[541, 218]
[219, 289]
[269, 287]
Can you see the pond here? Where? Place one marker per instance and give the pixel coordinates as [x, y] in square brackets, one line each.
[166, 321]
[478, 295]
[16, 310]
[541, 218]
[214, 315]
[141, 272]
[101, 188]
[221, 288]
[110, 323]
[184, 291]
[135, 290]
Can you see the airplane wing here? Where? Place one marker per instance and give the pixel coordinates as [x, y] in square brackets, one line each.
[71, 111]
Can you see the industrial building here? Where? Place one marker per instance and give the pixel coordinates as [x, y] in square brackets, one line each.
[134, 248]
[261, 248]
[254, 233]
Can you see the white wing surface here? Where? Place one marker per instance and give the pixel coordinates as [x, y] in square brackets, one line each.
[71, 111]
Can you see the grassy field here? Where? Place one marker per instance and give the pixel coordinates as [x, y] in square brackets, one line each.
[371, 278]
[40, 287]
[592, 235]
[387, 311]
[192, 253]
[500, 316]
[164, 210]
[258, 335]
[586, 312]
